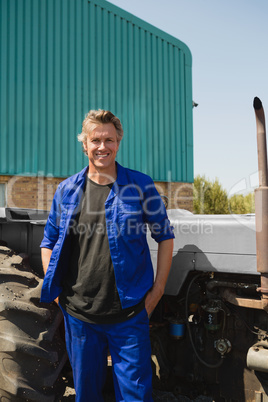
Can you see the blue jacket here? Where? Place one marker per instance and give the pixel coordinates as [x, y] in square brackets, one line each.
[132, 204]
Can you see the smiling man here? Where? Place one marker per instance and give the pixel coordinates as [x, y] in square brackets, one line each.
[101, 147]
[97, 261]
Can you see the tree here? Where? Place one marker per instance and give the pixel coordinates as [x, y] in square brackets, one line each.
[250, 203]
[209, 197]
[239, 204]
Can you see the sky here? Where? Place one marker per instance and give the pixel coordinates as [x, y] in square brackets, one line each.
[228, 40]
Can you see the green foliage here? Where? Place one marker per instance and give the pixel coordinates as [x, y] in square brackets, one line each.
[211, 198]
[239, 204]
[250, 203]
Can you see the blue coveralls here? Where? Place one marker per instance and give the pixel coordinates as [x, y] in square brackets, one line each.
[133, 203]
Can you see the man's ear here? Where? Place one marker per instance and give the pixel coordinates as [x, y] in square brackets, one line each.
[85, 146]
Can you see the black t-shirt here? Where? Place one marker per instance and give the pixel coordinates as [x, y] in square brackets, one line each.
[89, 288]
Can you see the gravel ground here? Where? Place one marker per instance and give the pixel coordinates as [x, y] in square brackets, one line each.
[69, 395]
[158, 396]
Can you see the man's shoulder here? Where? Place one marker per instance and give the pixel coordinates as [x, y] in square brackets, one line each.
[74, 179]
[70, 189]
[136, 176]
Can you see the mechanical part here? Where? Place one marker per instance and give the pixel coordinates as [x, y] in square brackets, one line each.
[209, 365]
[230, 296]
[32, 352]
[176, 329]
[223, 346]
[261, 202]
[261, 142]
[257, 357]
[212, 316]
[258, 396]
[211, 285]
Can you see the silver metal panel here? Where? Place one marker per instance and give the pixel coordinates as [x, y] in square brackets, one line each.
[209, 243]
[226, 234]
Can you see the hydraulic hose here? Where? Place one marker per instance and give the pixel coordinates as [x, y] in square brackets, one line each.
[209, 365]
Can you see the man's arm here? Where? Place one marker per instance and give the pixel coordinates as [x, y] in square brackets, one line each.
[45, 256]
[164, 258]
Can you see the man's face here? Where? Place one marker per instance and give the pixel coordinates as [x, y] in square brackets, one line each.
[102, 146]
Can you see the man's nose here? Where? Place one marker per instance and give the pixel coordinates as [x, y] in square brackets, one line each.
[102, 145]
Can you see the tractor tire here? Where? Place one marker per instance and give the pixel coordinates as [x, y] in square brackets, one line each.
[32, 351]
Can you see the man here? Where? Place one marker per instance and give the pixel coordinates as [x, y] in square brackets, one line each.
[97, 261]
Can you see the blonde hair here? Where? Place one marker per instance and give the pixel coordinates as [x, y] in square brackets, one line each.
[95, 118]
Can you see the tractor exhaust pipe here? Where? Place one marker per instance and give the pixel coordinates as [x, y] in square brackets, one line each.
[261, 142]
[261, 203]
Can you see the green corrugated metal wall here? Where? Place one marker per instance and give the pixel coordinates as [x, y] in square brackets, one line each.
[60, 58]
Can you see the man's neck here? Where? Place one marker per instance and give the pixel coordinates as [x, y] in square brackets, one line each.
[102, 177]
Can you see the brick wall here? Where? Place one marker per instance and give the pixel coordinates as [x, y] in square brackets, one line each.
[180, 195]
[37, 192]
[30, 192]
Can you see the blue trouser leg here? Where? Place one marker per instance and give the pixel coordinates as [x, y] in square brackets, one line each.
[87, 351]
[130, 348]
[129, 345]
